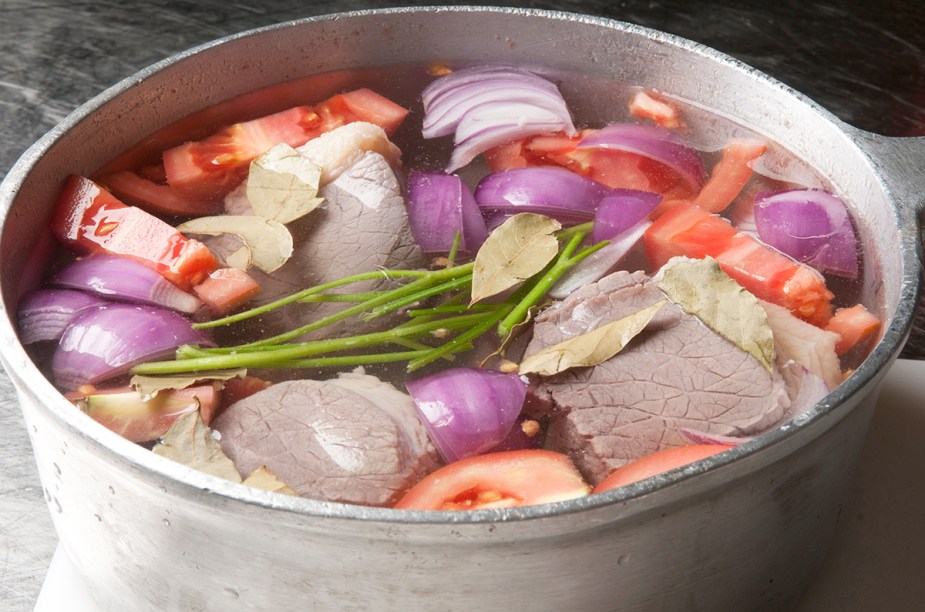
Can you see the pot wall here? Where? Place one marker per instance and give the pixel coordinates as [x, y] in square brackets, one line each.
[745, 536]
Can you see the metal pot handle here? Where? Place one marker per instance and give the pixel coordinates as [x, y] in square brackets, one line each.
[901, 164]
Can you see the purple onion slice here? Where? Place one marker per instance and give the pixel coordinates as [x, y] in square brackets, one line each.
[440, 205]
[467, 411]
[810, 225]
[44, 314]
[620, 210]
[124, 279]
[545, 190]
[107, 341]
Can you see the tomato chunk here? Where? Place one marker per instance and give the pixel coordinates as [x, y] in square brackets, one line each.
[647, 105]
[137, 190]
[616, 169]
[89, 219]
[690, 231]
[208, 169]
[361, 105]
[855, 326]
[730, 174]
[225, 289]
[497, 480]
[657, 463]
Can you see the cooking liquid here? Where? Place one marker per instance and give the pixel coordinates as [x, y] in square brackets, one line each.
[594, 102]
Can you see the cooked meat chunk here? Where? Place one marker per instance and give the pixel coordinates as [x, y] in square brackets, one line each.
[352, 439]
[676, 374]
[362, 226]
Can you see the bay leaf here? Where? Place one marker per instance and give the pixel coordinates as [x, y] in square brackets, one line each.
[701, 288]
[591, 348]
[282, 184]
[264, 479]
[189, 441]
[516, 250]
[148, 386]
[269, 242]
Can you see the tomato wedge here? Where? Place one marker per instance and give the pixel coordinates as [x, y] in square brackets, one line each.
[208, 169]
[855, 326]
[154, 197]
[89, 219]
[658, 462]
[647, 105]
[503, 479]
[225, 289]
[730, 174]
[690, 231]
[616, 169]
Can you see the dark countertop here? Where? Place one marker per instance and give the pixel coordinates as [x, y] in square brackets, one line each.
[864, 61]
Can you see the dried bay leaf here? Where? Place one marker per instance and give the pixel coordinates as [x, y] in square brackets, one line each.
[264, 479]
[282, 184]
[591, 348]
[269, 242]
[701, 288]
[516, 250]
[148, 386]
[189, 441]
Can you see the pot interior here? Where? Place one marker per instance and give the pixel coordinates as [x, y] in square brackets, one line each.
[305, 61]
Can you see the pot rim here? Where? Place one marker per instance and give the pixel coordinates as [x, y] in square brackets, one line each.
[30, 380]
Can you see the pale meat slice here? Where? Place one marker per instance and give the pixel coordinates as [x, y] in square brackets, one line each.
[353, 439]
[676, 374]
[360, 227]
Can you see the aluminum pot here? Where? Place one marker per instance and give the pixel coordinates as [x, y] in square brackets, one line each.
[743, 530]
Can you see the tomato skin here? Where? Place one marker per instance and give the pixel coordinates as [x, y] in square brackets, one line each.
[89, 219]
[207, 169]
[730, 174]
[503, 479]
[689, 231]
[657, 463]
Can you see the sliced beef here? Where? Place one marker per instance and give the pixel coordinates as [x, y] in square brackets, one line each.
[362, 226]
[676, 374]
[352, 439]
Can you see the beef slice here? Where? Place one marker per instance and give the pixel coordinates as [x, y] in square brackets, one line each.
[353, 439]
[676, 374]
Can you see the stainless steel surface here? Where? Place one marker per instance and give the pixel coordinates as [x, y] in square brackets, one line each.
[580, 534]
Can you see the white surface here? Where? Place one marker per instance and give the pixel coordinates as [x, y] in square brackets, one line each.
[877, 561]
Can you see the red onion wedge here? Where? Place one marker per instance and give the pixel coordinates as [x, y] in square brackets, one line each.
[107, 341]
[44, 314]
[810, 225]
[467, 411]
[124, 279]
[440, 205]
[487, 106]
[620, 210]
[545, 190]
[655, 143]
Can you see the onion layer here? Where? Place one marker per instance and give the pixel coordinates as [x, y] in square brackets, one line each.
[620, 210]
[810, 225]
[440, 205]
[487, 106]
[544, 190]
[467, 411]
[124, 279]
[44, 314]
[106, 342]
[655, 143]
